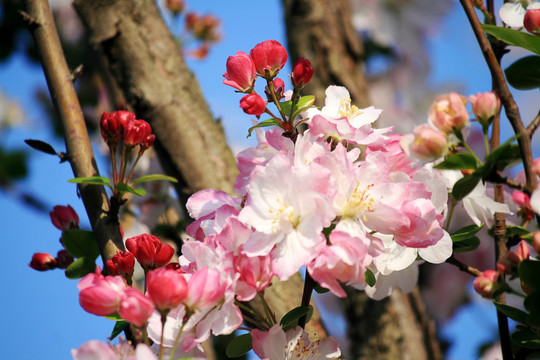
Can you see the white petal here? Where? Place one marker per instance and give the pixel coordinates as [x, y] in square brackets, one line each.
[439, 252]
[512, 14]
[535, 201]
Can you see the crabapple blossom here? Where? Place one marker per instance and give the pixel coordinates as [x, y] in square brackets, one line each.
[293, 344]
[98, 350]
[137, 132]
[255, 275]
[535, 168]
[279, 89]
[240, 72]
[135, 307]
[513, 13]
[426, 143]
[269, 57]
[301, 73]
[486, 284]
[485, 106]
[113, 124]
[253, 104]
[64, 218]
[508, 264]
[535, 201]
[531, 21]
[149, 251]
[42, 262]
[101, 295]
[122, 264]
[204, 288]
[166, 288]
[449, 112]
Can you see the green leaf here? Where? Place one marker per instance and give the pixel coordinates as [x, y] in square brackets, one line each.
[123, 188]
[115, 317]
[290, 319]
[370, 278]
[303, 104]
[118, 328]
[80, 267]
[285, 107]
[526, 338]
[528, 271]
[239, 346]
[460, 161]
[514, 230]
[264, 123]
[514, 37]
[466, 245]
[464, 186]
[41, 146]
[524, 74]
[153, 177]
[80, 243]
[91, 180]
[504, 156]
[465, 232]
[320, 290]
[513, 313]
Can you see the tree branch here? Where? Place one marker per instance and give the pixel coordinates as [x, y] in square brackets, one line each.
[531, 128]
[40, 22]
[463, 267]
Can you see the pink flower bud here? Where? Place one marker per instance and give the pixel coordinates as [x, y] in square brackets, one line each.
[509, 263]
[522, 252]
[486, 284]
[301, 73]
[63, 259]
[42, 262]
[121, 264]
[269, 57]
[279, 89]
[167, 288]
[536, 242]
[101, 295]
[449, 112]
[137, 132]
[485, 107]
[205, 288]
[112, 125]
[429, 143]
[521, 199]
[240, 72]
[253, 104]
[64, 217]
[532, 21]
[536, 167]
[150, 251]
[135, 307]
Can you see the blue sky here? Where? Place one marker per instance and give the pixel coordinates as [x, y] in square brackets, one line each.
[41, 315]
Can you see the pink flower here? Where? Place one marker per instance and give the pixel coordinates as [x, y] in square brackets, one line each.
[535, 168]
[94, 350]
[240, 72]
[167, 289]
[532, 21]
[150, 251]
[485, 107]
[137, 132]
[101, 295]
[486, 284]
[255, 275]
[269, 57]
[301, 73]
[205, 288]
[42, 262]
[429, 144]
[509, 263]
[64, 217]
[122, 264]
[449, 112]
[253, 104]
[135, 307]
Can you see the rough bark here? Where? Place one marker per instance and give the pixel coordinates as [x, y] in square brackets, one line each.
[322, 32]
[148, 66]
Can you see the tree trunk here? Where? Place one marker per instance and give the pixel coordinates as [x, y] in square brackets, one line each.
[146, 62]
[322, 32]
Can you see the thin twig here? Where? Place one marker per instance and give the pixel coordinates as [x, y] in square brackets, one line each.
[81, 157]
[463, 267]
[531, 128]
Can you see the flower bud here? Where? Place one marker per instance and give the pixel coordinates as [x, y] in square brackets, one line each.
[135, 307]
[42, 262]
[121, 264]
[112, 125]
[137, 132]
[150, 251]
[429, 144]
[449, 112]
[253, 104]
[269, 57]
[64, 218]
[532, 21]
[509, 263]
[279, 89]
[240, 72]
[101, 295]
[175, 6]
[485, 107]
[205, 288]
[487, 283]
[166, 288]
[301, 73]
[63, 259]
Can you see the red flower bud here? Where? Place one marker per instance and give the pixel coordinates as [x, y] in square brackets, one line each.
[487, 283]
[64, 218]
[240, 72]
[63, 259]
[121, 264]
[42, 262]
[167, 288]
[137, 132]
[135, 307]
[253, 104]
[150, 251]
[269, 57]
[279, 89]
[301, 73]
[532, 21]
[112, 125]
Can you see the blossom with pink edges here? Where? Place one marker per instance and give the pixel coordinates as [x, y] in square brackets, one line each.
[253, 104]
[485, 106]
[486, 284]
[135, 307]
[101, 295]
[240, 72]
[166, 288]
[269, 57]
[449, 112]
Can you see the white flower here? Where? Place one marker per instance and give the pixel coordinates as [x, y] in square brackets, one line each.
[535, 201]
[512, 14]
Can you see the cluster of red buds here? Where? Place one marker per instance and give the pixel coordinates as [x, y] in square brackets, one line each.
[63, 218]
[123, 132]
[265, 60]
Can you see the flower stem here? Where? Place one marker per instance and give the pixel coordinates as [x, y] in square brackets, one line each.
[309, 285]
[177, 340]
